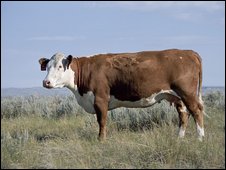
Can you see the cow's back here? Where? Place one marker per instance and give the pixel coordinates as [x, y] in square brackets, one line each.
[132, 76]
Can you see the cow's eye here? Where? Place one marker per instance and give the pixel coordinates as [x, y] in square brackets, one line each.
[60, 66]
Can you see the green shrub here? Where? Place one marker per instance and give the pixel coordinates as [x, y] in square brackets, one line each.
[215, 99]
[44, 106]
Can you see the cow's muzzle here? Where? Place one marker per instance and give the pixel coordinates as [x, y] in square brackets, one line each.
[47, 84]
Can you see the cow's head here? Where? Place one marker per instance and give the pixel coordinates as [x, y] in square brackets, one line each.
[59, 74]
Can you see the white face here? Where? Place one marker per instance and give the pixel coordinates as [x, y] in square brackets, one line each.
[58, 73]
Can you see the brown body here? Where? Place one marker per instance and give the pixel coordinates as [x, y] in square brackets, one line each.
[136, 76]
[132, 76]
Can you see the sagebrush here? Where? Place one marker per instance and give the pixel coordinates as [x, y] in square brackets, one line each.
[54, 132]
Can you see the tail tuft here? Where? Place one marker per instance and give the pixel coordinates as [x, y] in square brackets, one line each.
[202, 103]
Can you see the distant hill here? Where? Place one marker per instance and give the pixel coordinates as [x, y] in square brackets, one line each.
[211, 89]
[41, 91]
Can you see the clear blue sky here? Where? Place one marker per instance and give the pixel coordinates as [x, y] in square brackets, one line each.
[30, 30]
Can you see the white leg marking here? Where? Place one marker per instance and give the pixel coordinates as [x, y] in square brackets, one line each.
[200, 132]
[184, 109]
[181, 132]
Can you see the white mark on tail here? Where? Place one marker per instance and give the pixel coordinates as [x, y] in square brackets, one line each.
[200, 99]
[202, 103]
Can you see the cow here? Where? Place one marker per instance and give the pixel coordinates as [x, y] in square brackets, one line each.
[135, 80]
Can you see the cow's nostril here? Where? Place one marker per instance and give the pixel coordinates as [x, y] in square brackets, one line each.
[46, 83]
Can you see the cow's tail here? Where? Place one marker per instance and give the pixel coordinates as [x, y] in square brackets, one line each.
[200, 85]
[200, 89]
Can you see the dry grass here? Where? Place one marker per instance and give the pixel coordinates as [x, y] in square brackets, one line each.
[137, 138]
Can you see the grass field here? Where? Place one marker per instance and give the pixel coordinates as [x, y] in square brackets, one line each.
[53, 132]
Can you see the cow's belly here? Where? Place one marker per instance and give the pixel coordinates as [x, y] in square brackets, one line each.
[87, 100]
[144, 102]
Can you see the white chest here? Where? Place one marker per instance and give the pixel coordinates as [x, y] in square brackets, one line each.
[86, 101]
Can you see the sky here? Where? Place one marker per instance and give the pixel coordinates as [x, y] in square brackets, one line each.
[31, 30]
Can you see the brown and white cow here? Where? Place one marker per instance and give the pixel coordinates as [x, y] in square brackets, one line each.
[108, 81]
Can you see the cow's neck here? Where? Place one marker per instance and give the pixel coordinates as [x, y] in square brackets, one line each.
[77, 81]
[76, 76]
[83, 73]
[80, 76]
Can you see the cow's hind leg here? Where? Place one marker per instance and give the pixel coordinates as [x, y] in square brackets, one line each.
[182, 112]
[195, 107]
[183, 117]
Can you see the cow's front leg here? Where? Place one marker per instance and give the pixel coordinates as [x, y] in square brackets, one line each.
[101, 108]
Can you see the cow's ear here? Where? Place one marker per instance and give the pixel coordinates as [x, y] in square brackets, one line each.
[43, 62]
[69, 59]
